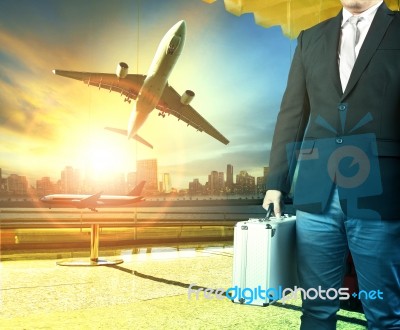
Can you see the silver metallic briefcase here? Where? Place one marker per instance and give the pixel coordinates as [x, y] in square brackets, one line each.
[264, 260]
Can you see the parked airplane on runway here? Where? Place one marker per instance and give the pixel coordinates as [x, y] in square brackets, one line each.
[93, 201]
[152, 90]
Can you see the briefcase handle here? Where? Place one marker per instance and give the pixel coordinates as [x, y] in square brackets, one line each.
[269, 211]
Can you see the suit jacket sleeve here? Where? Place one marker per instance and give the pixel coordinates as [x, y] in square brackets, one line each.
[291, 123]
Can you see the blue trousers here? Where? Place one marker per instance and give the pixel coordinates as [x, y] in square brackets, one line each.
[323, 243]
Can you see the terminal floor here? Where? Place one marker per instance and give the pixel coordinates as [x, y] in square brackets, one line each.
[147, 291]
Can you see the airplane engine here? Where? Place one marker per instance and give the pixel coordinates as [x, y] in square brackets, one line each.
[187, 97]
[122, 70]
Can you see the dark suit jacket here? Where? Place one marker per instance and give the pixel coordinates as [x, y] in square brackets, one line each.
[361, 124]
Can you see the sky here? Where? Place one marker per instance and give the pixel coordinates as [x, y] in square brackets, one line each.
[237, 69]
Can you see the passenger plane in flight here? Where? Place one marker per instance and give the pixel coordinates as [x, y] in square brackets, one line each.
[92, 202]
[152, 90]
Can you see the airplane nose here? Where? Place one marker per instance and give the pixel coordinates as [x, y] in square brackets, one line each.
[181, 27]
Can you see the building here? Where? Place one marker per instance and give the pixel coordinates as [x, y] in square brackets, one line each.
[213, 183]
[262, 181]
[147, 170]
[216, 183]
[221, 182]
[260, 185]
[266, 171]
[166, 183]
[229, 178]
[2, 183]
[245, 183]
[17, 185]
[195, 188]
[70, 179]
[44, 187]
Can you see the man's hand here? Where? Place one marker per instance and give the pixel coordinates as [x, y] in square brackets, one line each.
[275, 197]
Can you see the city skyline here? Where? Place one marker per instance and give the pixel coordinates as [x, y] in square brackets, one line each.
[237, 69]
[72, 180]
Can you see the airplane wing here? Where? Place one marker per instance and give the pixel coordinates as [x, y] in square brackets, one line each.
[170, 103]
[92, 199]
[128, 86]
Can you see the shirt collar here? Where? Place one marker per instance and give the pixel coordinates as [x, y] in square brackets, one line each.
[366, 15]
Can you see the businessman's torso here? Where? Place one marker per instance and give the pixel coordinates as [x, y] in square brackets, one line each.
[362, 123]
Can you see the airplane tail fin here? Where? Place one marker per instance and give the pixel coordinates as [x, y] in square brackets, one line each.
[125, 132]
[138, 189]
[141, 140]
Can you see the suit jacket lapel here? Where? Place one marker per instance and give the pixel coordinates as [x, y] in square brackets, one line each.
[332, 41]
[379, 25]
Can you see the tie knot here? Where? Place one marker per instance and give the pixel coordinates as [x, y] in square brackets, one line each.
[354, 20]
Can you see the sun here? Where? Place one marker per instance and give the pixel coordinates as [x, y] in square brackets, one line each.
[102, 160]
[104, 157]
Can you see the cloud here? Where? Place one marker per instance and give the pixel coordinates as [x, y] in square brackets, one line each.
[23, 93]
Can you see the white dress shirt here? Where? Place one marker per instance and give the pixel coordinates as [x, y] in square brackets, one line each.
[363, 27]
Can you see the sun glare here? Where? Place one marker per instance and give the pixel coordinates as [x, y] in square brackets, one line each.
[102, 160]
[105, 157]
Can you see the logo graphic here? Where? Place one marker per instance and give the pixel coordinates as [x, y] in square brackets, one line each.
[350, 161]
[359, 160]
[249, 295]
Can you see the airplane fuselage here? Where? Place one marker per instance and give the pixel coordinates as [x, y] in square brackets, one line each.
[151, 91]
[60, 200]
[157, 76]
